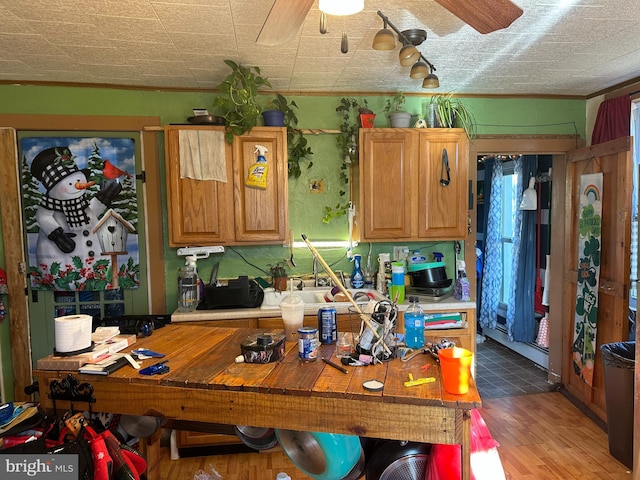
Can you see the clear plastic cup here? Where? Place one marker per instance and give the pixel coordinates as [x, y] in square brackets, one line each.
[292, 310]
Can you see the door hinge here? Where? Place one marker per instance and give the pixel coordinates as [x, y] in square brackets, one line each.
[142, 176]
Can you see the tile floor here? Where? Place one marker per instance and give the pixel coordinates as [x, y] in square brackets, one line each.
[500, 372]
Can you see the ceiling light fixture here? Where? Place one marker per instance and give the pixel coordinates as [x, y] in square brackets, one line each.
[384, 39]
[419, 70]
[341, 7]
[409, 54]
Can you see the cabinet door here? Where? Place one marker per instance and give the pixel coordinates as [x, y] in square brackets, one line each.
[386, 184]
[261, 215]
[443, 210]
[199, 210]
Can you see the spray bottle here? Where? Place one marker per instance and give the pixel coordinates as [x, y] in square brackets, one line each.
[192, 262]
[257, 177]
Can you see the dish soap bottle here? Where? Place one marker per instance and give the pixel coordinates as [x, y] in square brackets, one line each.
[397, 282]
[258, 171]
[414, 324]
[357, 277]
[461, 291]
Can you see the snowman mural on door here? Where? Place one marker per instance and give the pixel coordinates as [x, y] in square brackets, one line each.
[63, 207]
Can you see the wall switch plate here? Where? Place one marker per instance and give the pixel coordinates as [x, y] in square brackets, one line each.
[400, 253]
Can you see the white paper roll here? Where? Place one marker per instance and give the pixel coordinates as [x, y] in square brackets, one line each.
[72, 333]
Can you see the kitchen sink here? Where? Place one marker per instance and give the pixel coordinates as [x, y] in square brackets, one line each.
[318, 297]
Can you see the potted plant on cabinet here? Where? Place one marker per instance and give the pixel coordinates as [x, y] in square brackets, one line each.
[397, 117]
[237, 102]
[449, 112]
[297, 146]
[366, 115]
[279, 276]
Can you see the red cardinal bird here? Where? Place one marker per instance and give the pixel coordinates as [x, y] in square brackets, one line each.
[112, 172]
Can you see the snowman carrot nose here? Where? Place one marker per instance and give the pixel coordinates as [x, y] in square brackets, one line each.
[84, 185]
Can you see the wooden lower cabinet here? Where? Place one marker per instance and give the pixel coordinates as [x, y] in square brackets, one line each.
[190, 439]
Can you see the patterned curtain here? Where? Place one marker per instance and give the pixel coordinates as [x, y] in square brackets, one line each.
[521, 322]
[492, 272]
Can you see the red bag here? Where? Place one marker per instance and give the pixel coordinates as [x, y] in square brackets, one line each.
[444, 461]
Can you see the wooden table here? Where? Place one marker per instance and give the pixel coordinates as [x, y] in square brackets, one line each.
[206, 385]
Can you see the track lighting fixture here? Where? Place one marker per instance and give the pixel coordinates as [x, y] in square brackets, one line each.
[409, 54]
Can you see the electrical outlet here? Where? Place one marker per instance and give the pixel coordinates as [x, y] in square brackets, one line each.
[316, 186]
[400, 253]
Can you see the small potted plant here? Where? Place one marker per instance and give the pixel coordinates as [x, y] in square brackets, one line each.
[279, 276]
[450, 111]
[278, 111]
[366, 115]
[397, 117]
[237, 102]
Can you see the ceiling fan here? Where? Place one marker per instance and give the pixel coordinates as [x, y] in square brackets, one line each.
[286, 17]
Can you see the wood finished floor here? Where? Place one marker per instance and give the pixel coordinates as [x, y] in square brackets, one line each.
[542, 437]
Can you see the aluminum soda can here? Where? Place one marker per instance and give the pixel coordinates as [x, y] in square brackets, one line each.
[308, 343]
[328, 325]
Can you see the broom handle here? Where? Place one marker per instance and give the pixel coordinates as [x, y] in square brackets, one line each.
[339, 284]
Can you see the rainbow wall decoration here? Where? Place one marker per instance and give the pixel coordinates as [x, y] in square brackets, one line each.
[586, 310]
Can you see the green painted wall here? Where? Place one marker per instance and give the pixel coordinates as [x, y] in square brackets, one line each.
[493, 115]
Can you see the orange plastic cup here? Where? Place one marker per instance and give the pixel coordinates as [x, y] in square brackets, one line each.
[455, 366]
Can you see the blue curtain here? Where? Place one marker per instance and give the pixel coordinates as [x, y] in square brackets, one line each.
[521, 323]
[492, 272]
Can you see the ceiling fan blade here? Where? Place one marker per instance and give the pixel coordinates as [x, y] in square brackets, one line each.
[283, 21]
[485, 16]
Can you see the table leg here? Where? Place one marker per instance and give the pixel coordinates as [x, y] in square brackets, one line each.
[152, 453]
[465, 458]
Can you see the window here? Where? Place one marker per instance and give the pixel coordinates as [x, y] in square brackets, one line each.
[509, 206]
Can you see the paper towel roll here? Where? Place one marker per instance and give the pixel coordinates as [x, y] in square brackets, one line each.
[72, 333]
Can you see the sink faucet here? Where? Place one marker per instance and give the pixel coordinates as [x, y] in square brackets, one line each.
[315, 271]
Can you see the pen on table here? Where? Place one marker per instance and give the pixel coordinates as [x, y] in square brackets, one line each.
[334, 365]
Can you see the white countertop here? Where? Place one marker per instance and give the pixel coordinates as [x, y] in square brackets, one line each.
[428, 305]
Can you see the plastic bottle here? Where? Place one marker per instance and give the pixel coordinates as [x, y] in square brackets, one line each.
[187, 289]
[357, 277]
[414, 324]
[417, 257]
[191, 261]
[397, 282]
[257, 177]
[461, 291]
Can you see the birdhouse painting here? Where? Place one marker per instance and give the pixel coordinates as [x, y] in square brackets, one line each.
[80, 211]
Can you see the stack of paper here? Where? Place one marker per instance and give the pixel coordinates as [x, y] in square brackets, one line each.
[443, 320]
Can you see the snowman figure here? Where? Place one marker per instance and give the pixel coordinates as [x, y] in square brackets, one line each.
[65, 215]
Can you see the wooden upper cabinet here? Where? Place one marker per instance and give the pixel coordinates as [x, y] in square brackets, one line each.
[261, 215]
[443, 209]
[209, 212]
[385, 184]
[400, 194]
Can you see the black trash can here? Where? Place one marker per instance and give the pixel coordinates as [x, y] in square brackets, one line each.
[619, 363]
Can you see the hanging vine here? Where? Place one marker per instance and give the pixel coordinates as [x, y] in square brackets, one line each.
[348, 142]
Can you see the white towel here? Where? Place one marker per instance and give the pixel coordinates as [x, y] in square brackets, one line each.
[202, 155]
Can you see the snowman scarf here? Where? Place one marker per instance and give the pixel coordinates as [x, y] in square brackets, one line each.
[73, 209]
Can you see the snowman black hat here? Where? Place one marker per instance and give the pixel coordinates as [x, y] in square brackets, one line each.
[54, 164]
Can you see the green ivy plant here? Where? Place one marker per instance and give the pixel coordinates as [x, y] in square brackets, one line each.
[348, 142]
[297, 145]
[237, 103]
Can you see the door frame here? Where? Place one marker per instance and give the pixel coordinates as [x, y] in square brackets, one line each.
[557, 146]
[13, 232]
